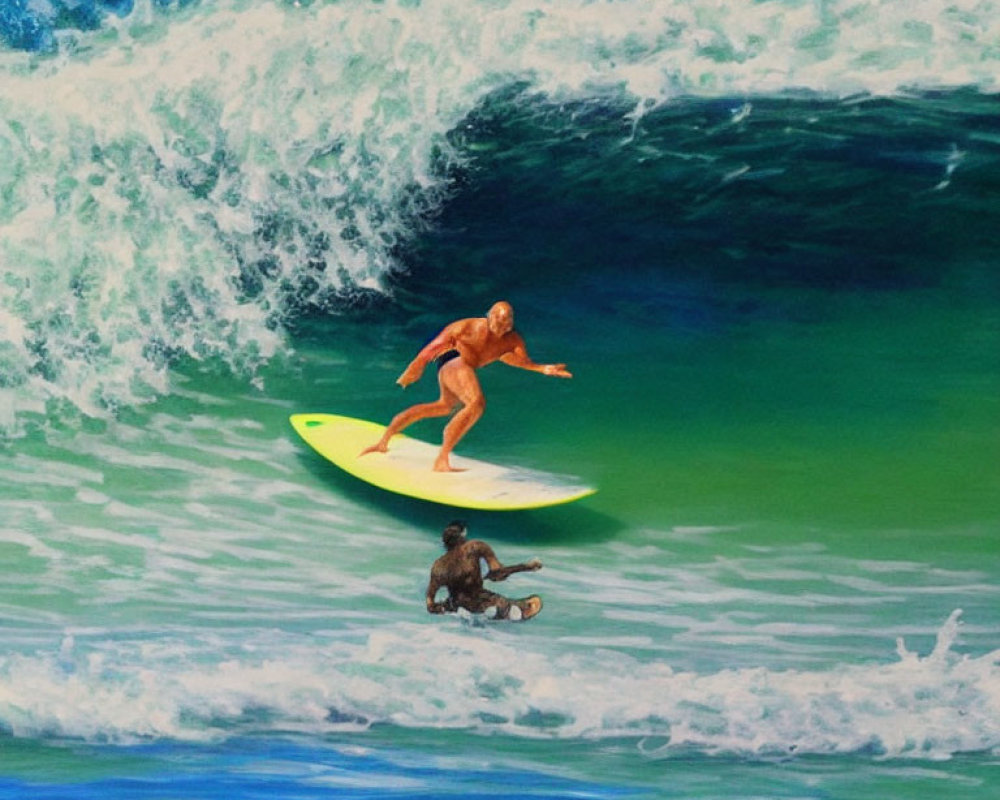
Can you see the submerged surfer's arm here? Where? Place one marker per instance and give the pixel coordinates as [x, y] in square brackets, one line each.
[434, 607]
[441, 343]
[518, 357]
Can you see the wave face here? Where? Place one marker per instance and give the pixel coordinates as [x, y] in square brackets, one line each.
[183, 181]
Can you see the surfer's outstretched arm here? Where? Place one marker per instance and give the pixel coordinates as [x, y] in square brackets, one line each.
[518, 357]
[502, 573]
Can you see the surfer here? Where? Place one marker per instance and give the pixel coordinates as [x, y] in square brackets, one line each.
[460, 349]
[459, 572]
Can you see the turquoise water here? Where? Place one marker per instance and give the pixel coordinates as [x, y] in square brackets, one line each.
[763, 241]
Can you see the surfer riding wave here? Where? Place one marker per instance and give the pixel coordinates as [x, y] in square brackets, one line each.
[461, 348]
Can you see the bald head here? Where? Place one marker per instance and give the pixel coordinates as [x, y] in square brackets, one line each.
[500, 318]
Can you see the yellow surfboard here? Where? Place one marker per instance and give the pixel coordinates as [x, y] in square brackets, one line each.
[406, 468]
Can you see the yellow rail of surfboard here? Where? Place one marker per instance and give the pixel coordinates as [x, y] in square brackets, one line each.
[407, 468]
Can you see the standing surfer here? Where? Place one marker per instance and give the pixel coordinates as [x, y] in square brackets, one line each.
[460, 349]
[459, 572]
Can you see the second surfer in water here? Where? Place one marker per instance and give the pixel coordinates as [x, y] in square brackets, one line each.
[460, 349]
[458, 571]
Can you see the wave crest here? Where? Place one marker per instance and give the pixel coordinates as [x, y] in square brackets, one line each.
[182, 185]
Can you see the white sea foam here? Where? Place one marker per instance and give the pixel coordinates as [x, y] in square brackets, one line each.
[183, 186]
[921, 706]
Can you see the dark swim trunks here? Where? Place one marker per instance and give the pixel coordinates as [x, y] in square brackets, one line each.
[445, 357]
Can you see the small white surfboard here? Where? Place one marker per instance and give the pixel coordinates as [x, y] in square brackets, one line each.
[407, 468]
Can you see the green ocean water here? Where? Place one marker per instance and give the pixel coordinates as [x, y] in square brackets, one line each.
[746, 537]
[773, 510]
[769, 259]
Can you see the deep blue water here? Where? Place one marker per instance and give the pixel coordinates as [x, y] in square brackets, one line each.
[255, 768]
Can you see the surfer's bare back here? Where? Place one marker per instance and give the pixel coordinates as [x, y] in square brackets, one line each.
[459, 572]
[460, 349]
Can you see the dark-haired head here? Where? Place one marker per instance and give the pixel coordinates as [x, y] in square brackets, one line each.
[454, 534]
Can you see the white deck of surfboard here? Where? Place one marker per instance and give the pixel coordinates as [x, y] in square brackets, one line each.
[407, 468]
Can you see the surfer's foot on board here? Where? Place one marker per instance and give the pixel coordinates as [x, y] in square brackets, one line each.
[380, 447]
[443, 465]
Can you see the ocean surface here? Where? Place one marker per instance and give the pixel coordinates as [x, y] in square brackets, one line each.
[764, 238]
